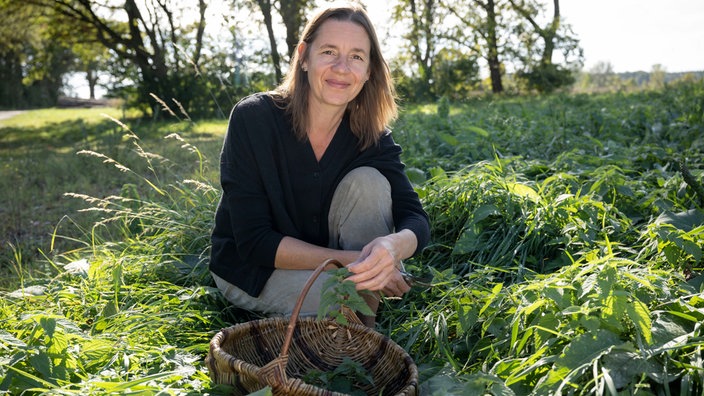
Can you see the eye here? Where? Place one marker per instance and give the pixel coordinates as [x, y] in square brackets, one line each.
[358, 57]
[328, 52]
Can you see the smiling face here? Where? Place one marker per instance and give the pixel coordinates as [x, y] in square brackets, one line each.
[337, 64]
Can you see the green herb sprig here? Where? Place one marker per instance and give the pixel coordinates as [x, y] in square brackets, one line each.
[338, 291]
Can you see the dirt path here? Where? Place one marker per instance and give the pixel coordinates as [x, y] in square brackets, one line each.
[9, 114]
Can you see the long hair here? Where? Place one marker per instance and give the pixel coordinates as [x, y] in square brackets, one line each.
[375, 105]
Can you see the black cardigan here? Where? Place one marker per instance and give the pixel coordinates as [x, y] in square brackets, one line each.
[273, 186]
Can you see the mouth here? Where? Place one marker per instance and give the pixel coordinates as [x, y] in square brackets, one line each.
[337, 84]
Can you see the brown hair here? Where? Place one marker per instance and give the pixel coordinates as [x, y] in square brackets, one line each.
[375, 105]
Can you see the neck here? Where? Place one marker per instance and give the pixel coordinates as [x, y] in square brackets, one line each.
[324, 124]
[321, 131]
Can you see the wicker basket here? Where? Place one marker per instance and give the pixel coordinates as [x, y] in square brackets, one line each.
[245, 355]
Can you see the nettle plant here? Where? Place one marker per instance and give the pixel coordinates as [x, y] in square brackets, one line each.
[602, 324]
[337, 292]
[350, 376]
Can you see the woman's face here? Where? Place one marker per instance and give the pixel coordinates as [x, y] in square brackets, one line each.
[337, 63]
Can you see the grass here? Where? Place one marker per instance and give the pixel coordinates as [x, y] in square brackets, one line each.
[38, 152]
[566, 255]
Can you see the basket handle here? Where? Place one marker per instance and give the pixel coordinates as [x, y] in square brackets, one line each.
[274, 373]
[299, 303]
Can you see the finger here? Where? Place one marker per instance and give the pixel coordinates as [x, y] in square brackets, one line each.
[369, 268]
[374, 254]
[392, 290]
[373, 279]
[373, 283]
[397, 287]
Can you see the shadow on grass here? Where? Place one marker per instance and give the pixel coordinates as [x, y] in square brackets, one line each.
[39, 165]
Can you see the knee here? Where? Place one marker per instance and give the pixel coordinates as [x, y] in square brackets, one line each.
[367, 181]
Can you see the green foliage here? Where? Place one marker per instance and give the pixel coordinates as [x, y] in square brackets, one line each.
[38, 165]
[566, 258]
[134, 305]
[556, 245]
[34, 56]
[349, 378]
[597, 323]
[546, 78]
[338, 291]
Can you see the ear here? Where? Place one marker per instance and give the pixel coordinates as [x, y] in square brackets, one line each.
[301, 53]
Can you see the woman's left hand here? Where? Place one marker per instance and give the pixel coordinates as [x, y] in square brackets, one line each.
[377, 268]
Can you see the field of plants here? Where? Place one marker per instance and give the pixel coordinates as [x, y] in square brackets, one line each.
[566, 254]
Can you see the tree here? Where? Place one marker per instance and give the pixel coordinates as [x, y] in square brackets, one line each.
[265, 7]
[480, 27]
[91, 59]
[150, 38]
[16, 40]
[33, 56]
[421, 38]
[293, 16]
[490, 35]
[599, 77]
[537, 44]
[456, 74]
[657, 77]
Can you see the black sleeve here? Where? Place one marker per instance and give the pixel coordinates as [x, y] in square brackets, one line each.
[243, 166]
[408, 212]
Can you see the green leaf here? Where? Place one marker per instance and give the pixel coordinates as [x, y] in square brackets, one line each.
[467, 315]
[58, 344]
[626, 366]
[532, 307]
[479, 131]
[437, 172]
[468, 242]
[584, 349]
[416, 176]
[548, 321]
[262, 392]
[449, 139]
[491, 297]
[670, 329]
[482, 383]
[42, 364]
[484, 212]
[685, 221]
[8, 339]
[48, 325]
[524, 191]
[337, 291]
[692, 249]
[640, 316]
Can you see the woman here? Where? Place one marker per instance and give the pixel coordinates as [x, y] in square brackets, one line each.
[310, 172]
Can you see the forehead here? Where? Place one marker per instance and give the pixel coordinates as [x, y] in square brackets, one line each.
[342, 34]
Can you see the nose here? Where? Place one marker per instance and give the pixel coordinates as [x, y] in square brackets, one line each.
[341, 65]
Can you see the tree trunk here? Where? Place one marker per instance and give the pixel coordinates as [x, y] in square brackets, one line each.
[12, 93]
[493, 49]
[550, 33]
[265, 7]
[422, 40]
[293, 16]
[92, 79]
[547, 34]
[202, 6]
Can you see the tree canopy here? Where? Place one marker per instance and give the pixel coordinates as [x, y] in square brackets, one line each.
[160, 48]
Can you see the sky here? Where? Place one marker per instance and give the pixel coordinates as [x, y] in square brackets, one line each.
[632, 35]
